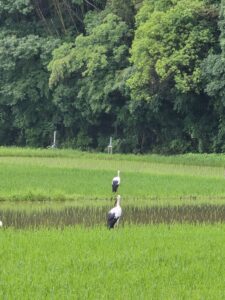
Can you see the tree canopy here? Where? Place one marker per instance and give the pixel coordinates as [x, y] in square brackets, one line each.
[149, 73]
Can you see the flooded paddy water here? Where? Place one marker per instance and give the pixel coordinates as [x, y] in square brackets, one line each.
[68, 215]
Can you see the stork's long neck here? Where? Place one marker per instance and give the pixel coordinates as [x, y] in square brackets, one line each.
[118, 202]
[118, 173]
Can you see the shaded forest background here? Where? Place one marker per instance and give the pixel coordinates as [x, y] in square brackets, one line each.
[150, 73]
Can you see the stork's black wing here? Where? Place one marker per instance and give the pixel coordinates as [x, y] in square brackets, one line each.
[115, 185]
[111, 220]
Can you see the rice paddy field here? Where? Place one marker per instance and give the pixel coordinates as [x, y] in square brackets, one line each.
[170, 243]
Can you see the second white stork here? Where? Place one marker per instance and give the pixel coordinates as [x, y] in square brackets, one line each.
[114, 214]
[116, 182]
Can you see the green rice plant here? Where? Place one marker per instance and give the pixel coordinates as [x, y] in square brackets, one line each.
[43, 182]
[145, 262]
[92, 163]
[212, 160]
[40, 175]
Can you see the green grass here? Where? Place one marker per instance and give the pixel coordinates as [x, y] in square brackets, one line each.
[211, 160]
[152, 262]
[29, 174]
[190, 159]
[133, 262]
[17, 181]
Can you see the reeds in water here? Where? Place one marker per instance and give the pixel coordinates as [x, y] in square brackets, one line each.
[95, 216]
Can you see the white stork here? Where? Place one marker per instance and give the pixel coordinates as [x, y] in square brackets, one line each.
[116, 182]
[114, 214]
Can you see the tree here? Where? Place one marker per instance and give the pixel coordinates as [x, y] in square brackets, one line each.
[169, 46]
[29, 31]
[94, 67]
[124, 9]
[171, 41]
[213, 74]
[24, 91]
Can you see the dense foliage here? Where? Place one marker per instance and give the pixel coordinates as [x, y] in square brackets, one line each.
[148, 73]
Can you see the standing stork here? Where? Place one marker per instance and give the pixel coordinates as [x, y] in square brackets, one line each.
[116, 182]
[114, 214]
